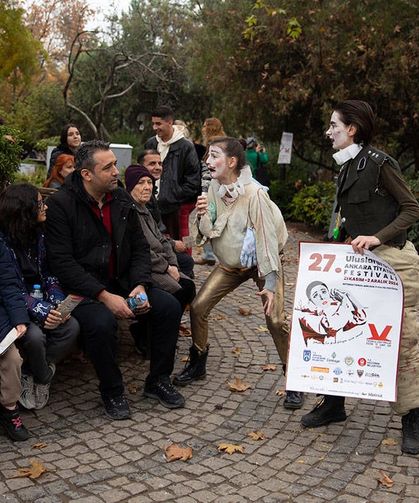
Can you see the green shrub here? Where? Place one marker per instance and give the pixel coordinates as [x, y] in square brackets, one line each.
[42, 145]
[282, 194]
[37, 178]
[10, 152]
[313, 204]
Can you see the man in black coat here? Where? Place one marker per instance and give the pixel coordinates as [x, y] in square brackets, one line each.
[180, 181]
[97, 249]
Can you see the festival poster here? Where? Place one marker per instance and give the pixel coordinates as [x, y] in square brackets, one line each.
[346, 324]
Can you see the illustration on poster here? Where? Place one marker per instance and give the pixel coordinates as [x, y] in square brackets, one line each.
[329, 314]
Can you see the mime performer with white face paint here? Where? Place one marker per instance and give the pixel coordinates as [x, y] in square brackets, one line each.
[374, 209]
[247, 233]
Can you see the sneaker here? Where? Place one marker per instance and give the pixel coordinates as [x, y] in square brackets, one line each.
[293, 400]
[117, 407]
[42, 390]
[27, 393]
[330, 409]
[13, 425]
[164, 391]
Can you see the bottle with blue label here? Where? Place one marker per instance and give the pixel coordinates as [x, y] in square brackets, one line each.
[136, 302]
[37, 292]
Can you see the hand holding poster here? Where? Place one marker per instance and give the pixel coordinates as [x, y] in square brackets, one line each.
[346, 324]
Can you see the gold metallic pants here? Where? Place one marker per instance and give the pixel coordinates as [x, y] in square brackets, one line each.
[223, 281]
[406, 264]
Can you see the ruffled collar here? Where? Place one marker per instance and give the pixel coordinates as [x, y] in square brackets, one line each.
[232, 191]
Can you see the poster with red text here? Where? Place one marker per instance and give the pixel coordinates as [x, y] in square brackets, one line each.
[346, 324]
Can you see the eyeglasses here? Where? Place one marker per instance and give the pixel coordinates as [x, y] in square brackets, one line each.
[41, 204]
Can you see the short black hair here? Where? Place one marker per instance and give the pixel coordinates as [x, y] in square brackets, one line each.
[164, 112]
[84, 155]
[144, 153]
[359, 114]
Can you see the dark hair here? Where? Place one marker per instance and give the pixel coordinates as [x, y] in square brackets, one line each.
[144, 153]
[360, 114]
[19, 213]
[164, 112]
[232, 148]
[84, 155]
[64, 132]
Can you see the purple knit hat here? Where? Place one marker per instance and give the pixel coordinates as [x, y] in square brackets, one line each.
[133, 173]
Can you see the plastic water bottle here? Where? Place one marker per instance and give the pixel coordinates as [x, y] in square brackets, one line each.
[137, 301]
[37, 292]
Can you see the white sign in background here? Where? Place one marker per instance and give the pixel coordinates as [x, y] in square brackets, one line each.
[346, 324]
[285, 148]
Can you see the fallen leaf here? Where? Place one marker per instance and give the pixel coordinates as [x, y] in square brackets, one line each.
[39, 445]
[385, 480]
[262, 328]
[34, 471]
[230, 448]
[236, 351]
[301, 461]
[280, 392]
[238, 385]
[175, 452]
[132, 388]
[184, 359]
[269, 366]
[256, 435]
[389, 441]
[219, 317]
[184, 331]
[244, 311]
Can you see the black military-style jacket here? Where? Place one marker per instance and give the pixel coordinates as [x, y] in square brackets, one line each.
[365, 205]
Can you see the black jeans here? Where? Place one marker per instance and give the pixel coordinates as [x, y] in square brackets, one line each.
[99, 327]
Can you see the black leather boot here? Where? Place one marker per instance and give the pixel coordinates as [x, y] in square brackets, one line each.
[331, 409]
[293, 399]
[194, 369]
[410, 432]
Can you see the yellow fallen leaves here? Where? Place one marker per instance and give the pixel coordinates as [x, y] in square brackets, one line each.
[385, 480]
[184, 331]
[34, 471]
[236, 351]
[269, 366]
[256, 435]
[245, 311]
[39, 445]
[238, 385]
[175, 452]
[132, 388]
[389, 442]
[230, 448]
[280, 392]
[261, 329]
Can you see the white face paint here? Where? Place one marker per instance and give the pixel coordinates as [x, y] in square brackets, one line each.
[338, 133]
[217, 164]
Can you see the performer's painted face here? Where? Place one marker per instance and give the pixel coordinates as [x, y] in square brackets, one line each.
[338, 133]
[319, 294]
[217, 163]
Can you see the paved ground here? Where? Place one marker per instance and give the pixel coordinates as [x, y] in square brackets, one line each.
[91, 459]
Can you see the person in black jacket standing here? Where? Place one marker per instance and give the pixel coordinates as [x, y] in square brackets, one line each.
[180, 182]
[97, 249]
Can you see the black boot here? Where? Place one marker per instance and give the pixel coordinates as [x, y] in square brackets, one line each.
[410, 432]
[194, 369]
[293, 400]
[331, 409]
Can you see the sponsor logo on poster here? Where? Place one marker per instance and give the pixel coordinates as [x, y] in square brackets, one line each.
[306, 355]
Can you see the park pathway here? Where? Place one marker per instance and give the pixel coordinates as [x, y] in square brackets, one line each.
[91, 459]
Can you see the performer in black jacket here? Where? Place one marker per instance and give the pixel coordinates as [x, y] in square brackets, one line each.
[374, 209]
[97, 249]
